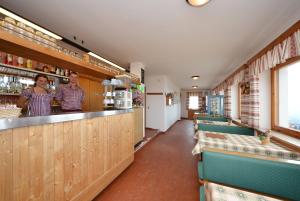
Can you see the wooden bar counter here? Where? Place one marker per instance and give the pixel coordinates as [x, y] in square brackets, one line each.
[64, 157]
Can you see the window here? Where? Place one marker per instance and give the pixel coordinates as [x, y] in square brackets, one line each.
[193, 102]
[286, 99]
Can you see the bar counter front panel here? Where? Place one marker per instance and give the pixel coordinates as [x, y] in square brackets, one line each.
[64, 157]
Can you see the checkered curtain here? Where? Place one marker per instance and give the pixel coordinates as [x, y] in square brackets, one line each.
[253, 115]
[199, 94]
[288, 48]
[250, 102]
[227, 102]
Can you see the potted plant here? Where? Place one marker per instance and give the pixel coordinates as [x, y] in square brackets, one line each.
[265, 137]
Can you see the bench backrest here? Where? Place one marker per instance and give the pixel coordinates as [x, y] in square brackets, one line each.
[275, 178]
[226, 129]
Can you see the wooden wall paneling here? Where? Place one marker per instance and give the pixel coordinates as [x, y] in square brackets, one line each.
[138, 125]
[129, 142]
[85, 85]
[68, 159]
[20, 164]
[118, 137]
[91, 150]
[6, 165]
[96, 95]
[106, 144]
[76, 152]
[96, 147]
[35, 143]
[73, 160]
[59, 162]
[101, 146]
[84, 153]
[48, 161]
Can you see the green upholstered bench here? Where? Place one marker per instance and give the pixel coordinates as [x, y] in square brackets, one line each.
[275, 178]
[226, 129]
[211, 118]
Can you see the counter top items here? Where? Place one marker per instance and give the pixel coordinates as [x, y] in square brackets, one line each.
[242, 144]
[9, 110]
[7, 123]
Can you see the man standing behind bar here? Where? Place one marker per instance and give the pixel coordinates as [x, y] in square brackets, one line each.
[70, 96]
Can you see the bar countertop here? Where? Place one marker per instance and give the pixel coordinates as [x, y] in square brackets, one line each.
[8, 123]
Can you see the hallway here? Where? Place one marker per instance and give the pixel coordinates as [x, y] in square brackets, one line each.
[163, 170]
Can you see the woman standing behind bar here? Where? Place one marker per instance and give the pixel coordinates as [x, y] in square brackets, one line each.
[38, 98]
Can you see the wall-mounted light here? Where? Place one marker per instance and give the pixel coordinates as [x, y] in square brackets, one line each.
[195, 77]
[36, 27]
[195, 87]
[106, 61]
[197, 2]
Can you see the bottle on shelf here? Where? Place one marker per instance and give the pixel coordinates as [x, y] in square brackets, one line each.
[29, 63]
[20, 61]
[9, 59]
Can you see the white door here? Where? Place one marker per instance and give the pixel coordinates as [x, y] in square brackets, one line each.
[155, 111]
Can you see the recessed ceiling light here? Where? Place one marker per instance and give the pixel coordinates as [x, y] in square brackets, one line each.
[197, 2]
[195, 87]
[195, 77]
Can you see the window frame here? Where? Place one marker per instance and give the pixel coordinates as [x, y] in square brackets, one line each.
[274, 100]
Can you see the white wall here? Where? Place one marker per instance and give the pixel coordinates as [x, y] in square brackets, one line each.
[160, 116]
[136, 68]
[265, 99]
[234, 101]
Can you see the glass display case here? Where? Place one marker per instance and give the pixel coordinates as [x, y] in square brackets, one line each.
[216, 105]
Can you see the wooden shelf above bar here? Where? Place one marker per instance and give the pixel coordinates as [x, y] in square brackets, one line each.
[25, 48]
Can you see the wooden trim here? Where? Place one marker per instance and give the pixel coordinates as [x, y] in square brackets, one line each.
[286, 144]
[158, 93]
[278, 40]
[274, 104]
[287, 131]
[288, 61]
[273, 98]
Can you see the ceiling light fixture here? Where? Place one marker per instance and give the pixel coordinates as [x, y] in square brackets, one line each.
[197, 2]
[195, 87]
[106, 61]
[195, 77]
[36, 27]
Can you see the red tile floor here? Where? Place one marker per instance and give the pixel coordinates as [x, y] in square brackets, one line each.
[163, 170]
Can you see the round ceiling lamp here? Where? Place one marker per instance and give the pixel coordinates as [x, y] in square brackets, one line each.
[197, 2]
[195, 77]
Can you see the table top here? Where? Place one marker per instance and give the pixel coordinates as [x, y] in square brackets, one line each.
[219, 123]
[243, 144]
[225, 193]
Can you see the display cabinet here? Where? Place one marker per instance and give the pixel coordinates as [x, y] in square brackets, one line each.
[216, 105]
